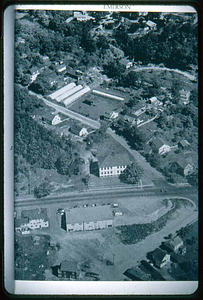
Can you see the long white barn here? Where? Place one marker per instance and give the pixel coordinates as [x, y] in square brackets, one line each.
[62, 90]
[76, 96]
[107, 95]
[69, 93]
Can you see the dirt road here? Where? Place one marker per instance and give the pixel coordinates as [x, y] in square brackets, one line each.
[186, 74]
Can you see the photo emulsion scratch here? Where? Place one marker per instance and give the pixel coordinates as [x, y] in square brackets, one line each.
[106, 145]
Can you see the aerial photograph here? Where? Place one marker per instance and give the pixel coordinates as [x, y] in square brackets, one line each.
[105, 145]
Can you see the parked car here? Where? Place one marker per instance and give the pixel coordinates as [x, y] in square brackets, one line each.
[117, 213]
[114, 205]
[61, 211]
[85, 205]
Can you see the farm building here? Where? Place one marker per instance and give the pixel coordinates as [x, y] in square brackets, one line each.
[62, 90]
[107, 95]
[160, 258]
[32, 219]
[111, 164]
[75, 96]
[68, 269]
[88, 218]
[68, 93]
[78, 130]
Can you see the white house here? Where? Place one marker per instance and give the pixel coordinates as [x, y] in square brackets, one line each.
[31, 219]
[37, 218]
[88, 218]
[159, 146]
[160, 258]
[78, 130]
[113, 164]
[176, 243]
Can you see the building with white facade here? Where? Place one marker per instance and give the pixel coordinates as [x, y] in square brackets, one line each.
[32, 219]
[88, 218]
[113, 164]
[159, 146]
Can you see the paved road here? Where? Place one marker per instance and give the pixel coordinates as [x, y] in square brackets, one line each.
[104, 196]
[186, 74]
[69, 113]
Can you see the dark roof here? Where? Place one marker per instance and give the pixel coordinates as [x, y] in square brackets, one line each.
[76, 129]
[48, 116]
[147, 149]
[136, 273]
[68, 266]
[158, 143]
[111, 159]
[180, 160]
[129, 118]
[21, 221]
[158, 255]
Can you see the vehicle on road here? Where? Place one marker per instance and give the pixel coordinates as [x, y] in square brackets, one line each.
[117, 213]
[60, 211]
[114, 205]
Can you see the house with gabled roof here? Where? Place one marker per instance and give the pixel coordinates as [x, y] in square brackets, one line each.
[160, 258]
[69, 269]
[175, 243]
[160, 146]
[78, 130]
[113, 163]
[183, 166]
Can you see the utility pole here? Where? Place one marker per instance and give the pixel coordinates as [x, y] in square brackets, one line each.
[113, 258]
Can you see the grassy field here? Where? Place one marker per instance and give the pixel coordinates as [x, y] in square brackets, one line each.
[100, 106]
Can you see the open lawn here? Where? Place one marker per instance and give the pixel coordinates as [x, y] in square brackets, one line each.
[100, 106]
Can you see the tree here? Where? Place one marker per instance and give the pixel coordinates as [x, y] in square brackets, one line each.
[42, 190]
[131, 174]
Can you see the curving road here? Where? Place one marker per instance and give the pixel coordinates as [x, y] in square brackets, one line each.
[186, 74]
